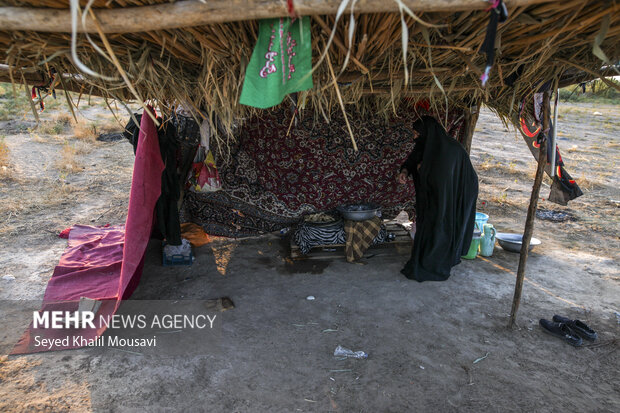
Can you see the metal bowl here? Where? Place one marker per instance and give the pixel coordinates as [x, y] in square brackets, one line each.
[512, 242]
[359, 212]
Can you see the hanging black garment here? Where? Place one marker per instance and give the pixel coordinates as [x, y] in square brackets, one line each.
[132, 131]
[166, 208]
[446, 192]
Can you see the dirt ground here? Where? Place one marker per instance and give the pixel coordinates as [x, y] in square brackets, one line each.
[432, 346]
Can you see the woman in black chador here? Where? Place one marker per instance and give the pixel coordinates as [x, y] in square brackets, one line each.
[446, 188]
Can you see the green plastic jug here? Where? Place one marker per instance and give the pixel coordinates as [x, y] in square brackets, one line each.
[473, 247]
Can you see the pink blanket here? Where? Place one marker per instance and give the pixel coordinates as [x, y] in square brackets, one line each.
[104, 263]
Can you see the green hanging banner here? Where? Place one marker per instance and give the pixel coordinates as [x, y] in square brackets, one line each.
[281, 62]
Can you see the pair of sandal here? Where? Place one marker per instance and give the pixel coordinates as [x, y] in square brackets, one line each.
[571, 331]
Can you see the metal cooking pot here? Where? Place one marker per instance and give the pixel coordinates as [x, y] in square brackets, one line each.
[359, 212]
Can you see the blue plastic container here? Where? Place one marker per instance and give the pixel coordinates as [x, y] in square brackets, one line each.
[172, 260]
[481, 219]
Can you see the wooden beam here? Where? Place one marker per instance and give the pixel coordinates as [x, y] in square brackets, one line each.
[413, 90]
[182, 14]
[71, 83]
[576, 76]
[385, 75]
[591, 72]
[531, 214]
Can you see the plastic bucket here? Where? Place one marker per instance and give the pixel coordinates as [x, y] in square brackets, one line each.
[481, 219]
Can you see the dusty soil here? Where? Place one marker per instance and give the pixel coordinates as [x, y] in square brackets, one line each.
[276, 347]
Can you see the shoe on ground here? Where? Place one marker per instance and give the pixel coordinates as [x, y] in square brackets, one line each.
[561, 330]
[578, 327]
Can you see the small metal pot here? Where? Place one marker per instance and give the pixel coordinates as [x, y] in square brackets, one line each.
[359, 212]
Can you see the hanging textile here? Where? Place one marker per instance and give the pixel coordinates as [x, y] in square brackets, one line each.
[273, 176]
[103, 263]
[564, 188]
[280, 64]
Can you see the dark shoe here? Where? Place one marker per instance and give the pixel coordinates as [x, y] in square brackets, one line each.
[578, 327]
[562, 331]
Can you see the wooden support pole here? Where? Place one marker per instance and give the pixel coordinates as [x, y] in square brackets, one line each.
[531, 213]
[183, 14]
[471, 118]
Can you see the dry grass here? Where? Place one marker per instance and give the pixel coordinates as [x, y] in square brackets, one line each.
[37, 138]
[68, 159]
[204, 66]
[510, 169]
[63, 118]
[503, 200]
[82, 147]
[51, 128]
[85, 130]
[58, 125]
[590, 184]
[5, 165]
[60, 193]
[13, 207]
[487, 163]
[90, 130]
[577, 111]
[110, 124]
[4, 152]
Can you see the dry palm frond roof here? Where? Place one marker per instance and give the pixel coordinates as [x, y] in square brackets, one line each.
[203, 66]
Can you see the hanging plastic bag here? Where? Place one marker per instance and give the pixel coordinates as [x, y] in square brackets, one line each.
[203, 175]
[206, 177]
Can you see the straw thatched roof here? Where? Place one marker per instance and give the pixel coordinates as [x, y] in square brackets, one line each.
[196, 53]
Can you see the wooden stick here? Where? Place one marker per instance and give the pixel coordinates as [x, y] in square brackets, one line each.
[121, 70]
[591, 72]
[28, 96]
[471, 119]
[338, 43]
[183, 14]
[415, 90]
[443, 46]
[384, 75]
[572, 79]
[69, 83]
[469, 63]
[68, 97]
[531, 213]
[344, 113]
